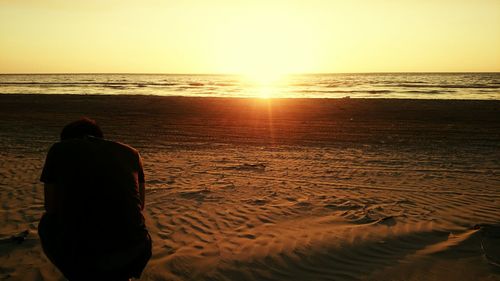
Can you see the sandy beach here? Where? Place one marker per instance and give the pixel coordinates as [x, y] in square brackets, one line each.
[279, 189]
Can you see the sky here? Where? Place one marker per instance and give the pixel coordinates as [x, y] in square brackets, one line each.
[254, 37]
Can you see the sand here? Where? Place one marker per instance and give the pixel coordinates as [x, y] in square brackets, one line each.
[304, 189]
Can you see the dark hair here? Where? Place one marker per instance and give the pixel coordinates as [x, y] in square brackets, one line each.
[81, 128]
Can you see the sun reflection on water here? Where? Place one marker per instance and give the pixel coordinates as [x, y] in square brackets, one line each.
[265, 85]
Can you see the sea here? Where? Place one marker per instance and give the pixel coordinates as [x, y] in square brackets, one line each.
[477, 86]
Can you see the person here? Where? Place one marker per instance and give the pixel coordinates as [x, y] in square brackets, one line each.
[93, 227]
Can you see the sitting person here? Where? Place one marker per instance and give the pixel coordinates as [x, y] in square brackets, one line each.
[93, 227]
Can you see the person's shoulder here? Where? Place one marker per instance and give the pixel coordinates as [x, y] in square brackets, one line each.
[60, 148]
[121, 146]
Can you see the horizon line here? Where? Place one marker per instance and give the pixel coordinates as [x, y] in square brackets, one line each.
[242, 74]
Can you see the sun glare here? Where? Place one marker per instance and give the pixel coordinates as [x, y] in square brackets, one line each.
[264, 48]
[265, 84]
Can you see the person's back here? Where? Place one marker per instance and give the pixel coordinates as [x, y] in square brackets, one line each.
[96, 209]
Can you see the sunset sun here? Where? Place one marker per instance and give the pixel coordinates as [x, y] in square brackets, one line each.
[265, 46]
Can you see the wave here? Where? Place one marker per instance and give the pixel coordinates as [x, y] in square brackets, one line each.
[196, 84]
[346, 91]
[375, 92]
[450, 86]
[78, 84]
[429, 91]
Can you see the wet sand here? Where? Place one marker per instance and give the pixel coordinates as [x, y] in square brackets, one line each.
[286, 189]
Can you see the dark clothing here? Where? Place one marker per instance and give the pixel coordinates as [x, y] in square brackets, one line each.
[98, 229]
[80, 264]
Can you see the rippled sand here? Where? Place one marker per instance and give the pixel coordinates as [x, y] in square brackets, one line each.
[280, 189]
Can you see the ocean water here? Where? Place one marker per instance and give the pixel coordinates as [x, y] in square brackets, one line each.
[485, 86]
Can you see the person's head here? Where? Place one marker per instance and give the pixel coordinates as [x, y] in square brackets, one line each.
[80, 129]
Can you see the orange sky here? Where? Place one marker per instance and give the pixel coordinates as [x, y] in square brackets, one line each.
[252, 37]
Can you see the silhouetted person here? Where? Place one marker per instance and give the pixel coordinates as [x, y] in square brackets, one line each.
[93, 228]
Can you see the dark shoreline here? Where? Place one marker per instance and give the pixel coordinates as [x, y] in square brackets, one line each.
[149, 120]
